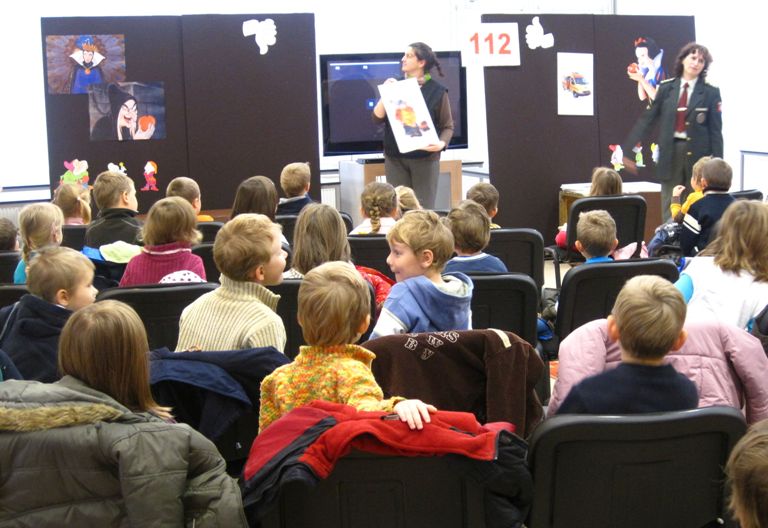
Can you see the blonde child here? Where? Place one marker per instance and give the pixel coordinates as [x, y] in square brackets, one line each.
[241, 312]
[9, 236]
[115, 196]
[334, 311]
[488, 196]
[678, 211]
[596, 236]
[40, 226]
[295, 181]
[168, 235]
[75, 202]
[379, 207]
[747, 472]
[406, 199]
[60, 282]
[471, 228]
[319, 237]
[188, 189]
[423, 300]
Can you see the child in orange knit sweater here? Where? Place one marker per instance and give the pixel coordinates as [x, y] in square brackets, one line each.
[334, 310]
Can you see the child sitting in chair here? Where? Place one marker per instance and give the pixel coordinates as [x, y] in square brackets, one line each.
[747, 469]
[471, 228]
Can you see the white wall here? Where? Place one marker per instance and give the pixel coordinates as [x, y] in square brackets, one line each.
[387, 26]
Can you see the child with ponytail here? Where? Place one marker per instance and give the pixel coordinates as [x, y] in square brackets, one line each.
[379, 206]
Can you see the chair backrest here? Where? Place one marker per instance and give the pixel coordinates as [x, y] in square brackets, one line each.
[10, 293]
[749, 194]
[521, 250]
[633, 471]
[288, 309]
[628, 211]
[205, 252]
[209, 230]
[505, 302]
[8, 262]
[160, 307]
[371, 251]
[73, 236]
[348, 223]
[590, 290]
[288, 222]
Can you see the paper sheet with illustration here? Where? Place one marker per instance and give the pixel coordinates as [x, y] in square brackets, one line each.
[408, 115]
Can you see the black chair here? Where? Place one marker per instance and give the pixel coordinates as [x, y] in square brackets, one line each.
[371, 251]
[159, 306]
[505, 302]
[750, 194]
[628, 211]
[589, 291]
[635, 471]
[348, 224]
[73, 236]
[8, 262]
[205, 252]
[288, 309]
[10, 293]
[209, 230]
[521, 250]
[288, 222]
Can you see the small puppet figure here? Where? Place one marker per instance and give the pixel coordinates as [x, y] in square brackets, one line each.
[655, 152]
[150, 169]
[77, 172]
[118, 168]
[638, 150]
[87, 68]
[616, 157]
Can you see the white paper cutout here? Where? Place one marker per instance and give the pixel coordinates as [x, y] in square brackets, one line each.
[265, 33]
[408, 115]
[535, 37]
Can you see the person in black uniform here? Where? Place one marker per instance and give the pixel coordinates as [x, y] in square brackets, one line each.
[687, 110]
[419, 169]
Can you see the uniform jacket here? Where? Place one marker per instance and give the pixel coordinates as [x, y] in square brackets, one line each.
[704, 124]
[94, 462]
[726, 364]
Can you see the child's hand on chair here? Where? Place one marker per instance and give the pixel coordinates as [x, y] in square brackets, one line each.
[414, 412]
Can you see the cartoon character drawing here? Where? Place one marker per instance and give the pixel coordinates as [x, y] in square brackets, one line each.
[150, 169]
[407, 116]
[647, 71]
[638, 150]
[576, 84]
[87, 65]
[111, 167]
[616, 157]
[655, 152]
[77, 172]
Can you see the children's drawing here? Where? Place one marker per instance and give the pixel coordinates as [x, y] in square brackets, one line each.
[408, 115]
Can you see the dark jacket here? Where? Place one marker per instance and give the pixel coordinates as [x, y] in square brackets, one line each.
[700, 220]
[113, 225]
[31, 338]
[292, 206]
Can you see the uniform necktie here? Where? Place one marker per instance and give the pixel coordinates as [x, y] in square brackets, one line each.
[682, 109]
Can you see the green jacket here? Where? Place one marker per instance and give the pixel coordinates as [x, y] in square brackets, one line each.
[71, 455]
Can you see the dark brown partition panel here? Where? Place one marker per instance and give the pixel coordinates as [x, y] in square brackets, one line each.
[249, 113]
[532, 149]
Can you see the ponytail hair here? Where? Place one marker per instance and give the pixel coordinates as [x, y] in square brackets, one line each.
[74, 201]
[425, 53]
[378, 200]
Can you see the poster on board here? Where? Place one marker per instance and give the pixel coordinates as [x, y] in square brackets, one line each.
[74, 62]
[408, 115]
[575, 84]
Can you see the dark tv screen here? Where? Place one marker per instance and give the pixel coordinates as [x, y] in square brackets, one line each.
[349, 93]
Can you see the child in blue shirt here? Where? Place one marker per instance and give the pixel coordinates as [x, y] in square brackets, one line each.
[471, 228]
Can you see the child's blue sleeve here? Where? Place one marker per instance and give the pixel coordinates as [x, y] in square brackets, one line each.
[685, 285]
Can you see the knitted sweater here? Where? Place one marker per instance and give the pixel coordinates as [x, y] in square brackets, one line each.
[235, 316]
[156, 262]
[339, 374]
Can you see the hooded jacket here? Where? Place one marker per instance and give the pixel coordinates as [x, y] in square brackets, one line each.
[418, 305]
[93, 462]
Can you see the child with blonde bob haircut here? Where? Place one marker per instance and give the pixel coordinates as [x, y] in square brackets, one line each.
[240, 313]
[596, 236]
[647, 321]
[75, 202]
[334, 311]
[379, 207]
[188, 189]
[471, 228]
[60, 282]
[295, 181]
[747, 472]
[423, 300]
[486, 195]
[40, 226]
[168, 234]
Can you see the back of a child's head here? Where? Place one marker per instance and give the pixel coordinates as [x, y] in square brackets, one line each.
[486, 195]
[104, 345]
[407, 199]
[319, 236]
[741, 239]
[718, 174]
[747, 472]
[9, 234]
[334, 300]
[605, 182]
[40, 226]
[422, 230]
[57, 268]
[184, 187]
[649, 314]
[170, 220]
[378, 200]
[295, 178]
[244, 243]
[257, 195]
[108, 188]
[596, 231]
[470, 225]
[74, 201]
[696, 169]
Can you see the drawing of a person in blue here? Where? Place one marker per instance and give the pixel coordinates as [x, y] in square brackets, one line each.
[87, 65]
